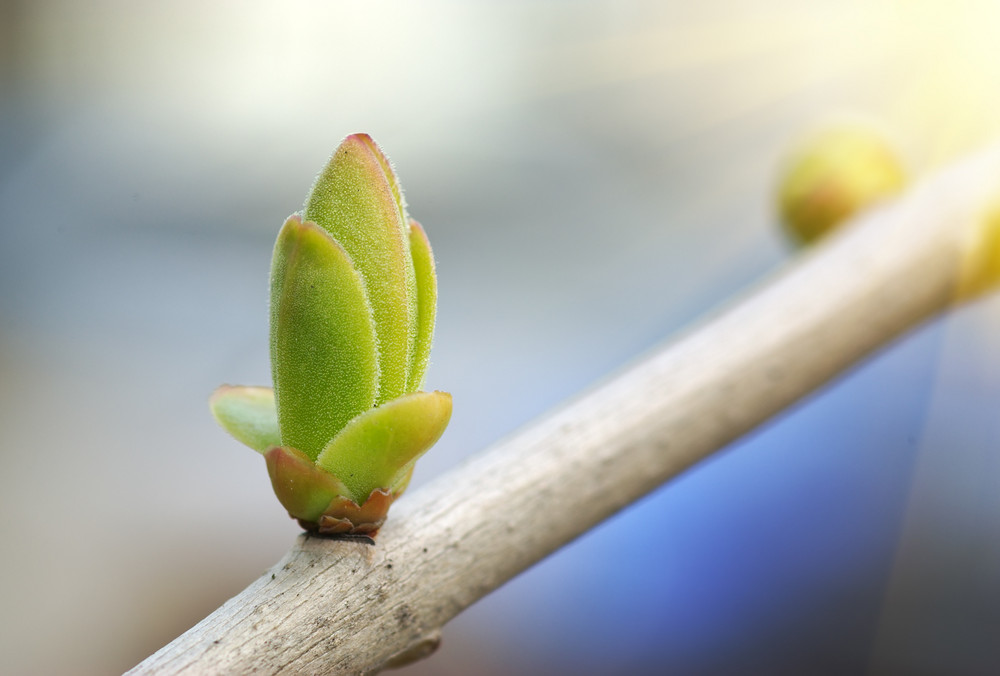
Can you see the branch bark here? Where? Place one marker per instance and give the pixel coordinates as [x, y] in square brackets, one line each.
[349, 607]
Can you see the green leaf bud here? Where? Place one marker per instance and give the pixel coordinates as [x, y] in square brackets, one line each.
[353, 305]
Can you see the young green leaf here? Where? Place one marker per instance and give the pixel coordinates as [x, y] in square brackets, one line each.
[377, 448]
[323, 352]
[423, 267]
[247, 413]
[357, 200]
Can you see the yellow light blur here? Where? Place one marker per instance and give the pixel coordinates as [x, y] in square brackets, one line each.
[945, 83]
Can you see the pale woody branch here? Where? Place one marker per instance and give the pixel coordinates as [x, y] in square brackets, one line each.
[348, 607]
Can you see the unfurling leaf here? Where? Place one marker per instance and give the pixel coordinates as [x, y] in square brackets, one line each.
[248, 413]
[380, 445]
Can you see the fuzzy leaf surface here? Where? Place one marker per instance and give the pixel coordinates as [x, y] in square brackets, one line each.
[323, 349]
[357, 200]
[378, 448]
[423, 268]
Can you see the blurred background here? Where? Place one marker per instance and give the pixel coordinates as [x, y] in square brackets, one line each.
[594, 175]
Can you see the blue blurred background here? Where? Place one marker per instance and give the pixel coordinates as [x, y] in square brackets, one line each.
[594, 175]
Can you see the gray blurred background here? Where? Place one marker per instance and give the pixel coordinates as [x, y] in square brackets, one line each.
[594, 175]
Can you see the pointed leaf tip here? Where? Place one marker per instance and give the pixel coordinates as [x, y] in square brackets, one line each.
[390, 173]
[247, 413]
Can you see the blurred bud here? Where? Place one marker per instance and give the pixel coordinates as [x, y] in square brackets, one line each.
[980, 270]
[353, 302]
[833, 175]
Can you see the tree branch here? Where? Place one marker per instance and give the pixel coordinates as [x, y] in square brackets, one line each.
[349, 607]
